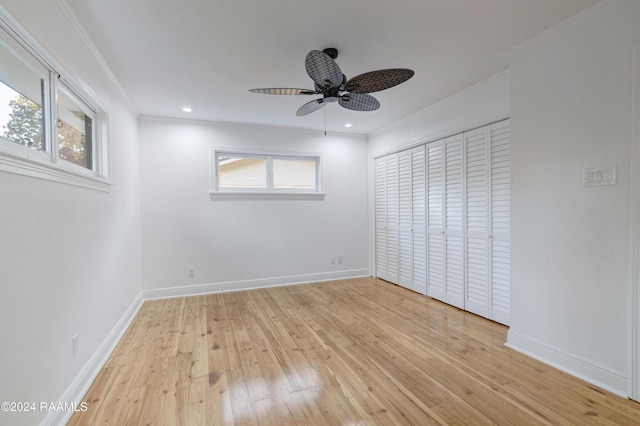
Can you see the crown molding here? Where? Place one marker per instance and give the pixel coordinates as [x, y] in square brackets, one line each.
[88, 41]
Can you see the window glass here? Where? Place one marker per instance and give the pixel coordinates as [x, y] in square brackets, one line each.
[236, 172]
[21, 100]
[75, 129]
[294, 173]
[238, 175]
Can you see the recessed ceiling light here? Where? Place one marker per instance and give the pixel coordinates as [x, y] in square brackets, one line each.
[348, 125]
[186, 109]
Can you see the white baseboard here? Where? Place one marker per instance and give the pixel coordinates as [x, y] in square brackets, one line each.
[571, 364]
[80, 385]
[223, 287]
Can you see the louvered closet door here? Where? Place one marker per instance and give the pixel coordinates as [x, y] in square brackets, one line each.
[380, 179]
[478, 294]
[454, 222]
[392, 218]
[405, 205]
[500, 236]
[419, 219]
[435, 220]
[387, 217]
[400, 218]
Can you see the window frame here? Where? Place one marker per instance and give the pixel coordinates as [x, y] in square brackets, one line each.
[47, 164]
[86, 109]
[218, 193]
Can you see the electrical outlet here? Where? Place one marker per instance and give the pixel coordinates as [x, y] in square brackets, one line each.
[332, 259]
[340, 259]
[75, 345]
[192, 272]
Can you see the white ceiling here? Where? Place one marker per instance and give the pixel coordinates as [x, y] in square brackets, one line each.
[207, 53]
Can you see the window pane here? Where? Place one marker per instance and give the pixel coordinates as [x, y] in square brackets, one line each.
[294, 173]
[74, 133]
[242, 172]
[21, 117]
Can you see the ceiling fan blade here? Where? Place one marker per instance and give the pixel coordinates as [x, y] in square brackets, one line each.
[374, 81]
[310, 107]
[323, 70]
[283, 91]
[359, 102]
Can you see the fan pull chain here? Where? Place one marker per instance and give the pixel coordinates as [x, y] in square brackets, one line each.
[325, 121]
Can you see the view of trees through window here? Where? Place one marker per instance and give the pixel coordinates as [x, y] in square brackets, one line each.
[72, 145]
[23, 124]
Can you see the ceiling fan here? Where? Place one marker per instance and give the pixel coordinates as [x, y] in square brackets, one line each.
[332, 84]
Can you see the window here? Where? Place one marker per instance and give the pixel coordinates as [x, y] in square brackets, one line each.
[242, 172]
[75, 131]
[253, 175]
[50, 128]
[23, 85]
[294, 173]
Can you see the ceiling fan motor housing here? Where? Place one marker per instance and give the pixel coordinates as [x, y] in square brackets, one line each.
[332, 94]
[331, 52]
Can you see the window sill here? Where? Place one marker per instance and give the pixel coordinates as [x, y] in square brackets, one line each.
[222, 195]
[51, 172]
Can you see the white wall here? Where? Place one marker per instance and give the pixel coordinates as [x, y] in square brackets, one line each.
[478, 105]
[571, 109]
[69, 257]
[235, 241]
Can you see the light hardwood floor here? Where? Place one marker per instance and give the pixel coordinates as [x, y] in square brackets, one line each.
[352, 352]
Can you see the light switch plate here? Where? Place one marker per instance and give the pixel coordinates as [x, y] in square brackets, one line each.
[600, 176]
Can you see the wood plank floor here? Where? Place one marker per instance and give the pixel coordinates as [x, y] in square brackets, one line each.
[352, 352]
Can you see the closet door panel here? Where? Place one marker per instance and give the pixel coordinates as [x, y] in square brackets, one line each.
[500, 222]
[477, 217]
[405, 239]
[393, 249]
[419, 218]
[454, 222]
[435, 220]
[380, 178]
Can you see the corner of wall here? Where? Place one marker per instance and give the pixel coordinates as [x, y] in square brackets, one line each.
[76, 391]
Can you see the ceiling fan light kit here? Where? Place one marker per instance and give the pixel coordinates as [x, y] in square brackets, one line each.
[332, 84]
